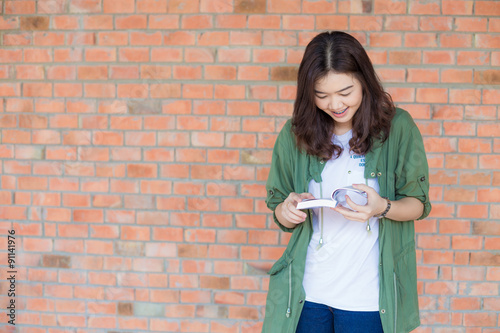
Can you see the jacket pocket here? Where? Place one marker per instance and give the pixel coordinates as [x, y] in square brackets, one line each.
[405, 289]
[282, 271]
[280, 264]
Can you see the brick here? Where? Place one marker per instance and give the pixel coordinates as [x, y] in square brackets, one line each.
[133, 54]
[187, 72]
[284, 73]
[325, 6]
[197, 91]
[489, 96]
[212, 282]
[65, 22]
[405, 57]
[389, 7]
[17, 105]
[474, 146]
[456, 76]
[441, 288]
[213, 38]
[264, 21]
[61, 73]
[401, 23]
[152, 6]
[438, 57]
[230, 21]
[179, 6]
[465, 303]
[432, 95]
[475, 211]
[11, 23]
[11, 55]
[364, 23]
[486, 77]
[20, 7]
[114, 38]
[48, 39]
[278, 38]
[98, 22]
[217, 6]
[163, 21]
[292, 22]
[81, 38]
[29, 72]
[488, 161]
[494, 25]
[485, 228]
[475, 178]
[465, 96]
[425, 7]
[465, 129]
[479, 319]
[126, 6]
[490, 8]
[194, 251]
[17, 39]
[431, 23]
[245, 38]
[34, 23]
[471, 24]
[460, 7]
[232, 55]
[217, 72]
[282, 6]
[197, 22]
[180, 38]
[85, 6]
[456, 40]
[420, 40]
[467, 243]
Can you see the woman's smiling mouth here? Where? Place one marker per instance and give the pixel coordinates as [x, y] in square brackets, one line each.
[338, 113]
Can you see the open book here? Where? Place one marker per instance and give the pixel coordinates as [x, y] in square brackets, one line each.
[337, 199]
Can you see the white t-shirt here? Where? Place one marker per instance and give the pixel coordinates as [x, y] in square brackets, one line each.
[343, 273]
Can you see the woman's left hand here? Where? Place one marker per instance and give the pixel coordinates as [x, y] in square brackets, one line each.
[375, 205]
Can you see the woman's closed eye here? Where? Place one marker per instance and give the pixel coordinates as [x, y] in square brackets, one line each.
[325, 96]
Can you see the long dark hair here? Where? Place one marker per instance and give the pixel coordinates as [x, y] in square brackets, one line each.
[340, 53]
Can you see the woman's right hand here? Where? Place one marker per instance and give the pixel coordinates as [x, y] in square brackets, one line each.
[288, 214]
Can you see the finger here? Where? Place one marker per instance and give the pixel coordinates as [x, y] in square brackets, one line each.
[349, 214]
[363, 187]
[353, 205]
[293, 214]
[306, 195]
[294, 197]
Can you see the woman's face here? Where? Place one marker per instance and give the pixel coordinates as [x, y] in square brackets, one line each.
[339, 96]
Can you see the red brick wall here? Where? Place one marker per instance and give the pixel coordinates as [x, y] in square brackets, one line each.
[136, 138]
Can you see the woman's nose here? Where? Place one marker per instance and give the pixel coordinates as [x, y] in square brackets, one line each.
[335, 104]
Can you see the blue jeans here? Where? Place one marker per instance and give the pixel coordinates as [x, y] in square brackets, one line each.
[320, 318]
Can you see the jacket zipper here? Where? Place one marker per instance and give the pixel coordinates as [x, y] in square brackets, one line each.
[288, 310]
[395, 303]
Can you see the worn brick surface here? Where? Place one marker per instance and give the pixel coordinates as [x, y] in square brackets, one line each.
[136, 138]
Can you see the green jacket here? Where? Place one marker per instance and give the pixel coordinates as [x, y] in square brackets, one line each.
[401, 167]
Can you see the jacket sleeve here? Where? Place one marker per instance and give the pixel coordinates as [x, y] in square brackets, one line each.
[412, 174]
[280, 180]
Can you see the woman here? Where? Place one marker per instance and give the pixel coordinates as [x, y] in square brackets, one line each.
[346, 270]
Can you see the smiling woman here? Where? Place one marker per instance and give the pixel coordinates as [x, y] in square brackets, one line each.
[339, 96]
[338, 275]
